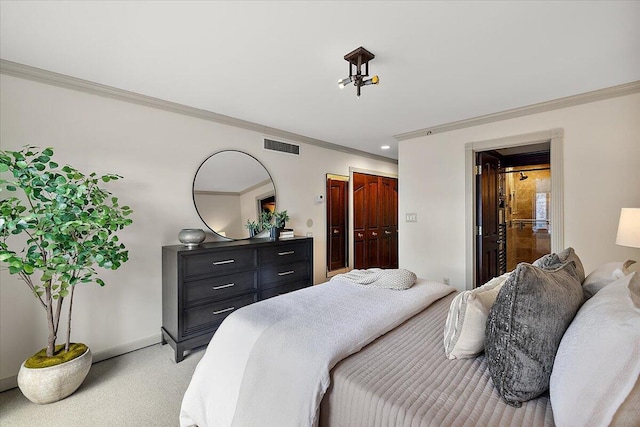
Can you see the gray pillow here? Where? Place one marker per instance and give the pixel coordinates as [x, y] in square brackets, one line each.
[549, 261]
[569, 254]
[525, 326]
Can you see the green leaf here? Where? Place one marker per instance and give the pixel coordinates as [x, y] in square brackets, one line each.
[4, 167]
[48, 151]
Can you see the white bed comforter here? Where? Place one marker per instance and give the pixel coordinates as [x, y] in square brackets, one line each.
[268, 364]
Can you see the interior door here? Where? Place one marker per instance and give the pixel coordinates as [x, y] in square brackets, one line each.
[487, 219]
[375, 200]
[337, 222]
[388, 252]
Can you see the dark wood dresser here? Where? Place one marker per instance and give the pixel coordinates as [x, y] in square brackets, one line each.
[203, 285]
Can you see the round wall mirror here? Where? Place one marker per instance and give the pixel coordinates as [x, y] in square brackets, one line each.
[231, 188]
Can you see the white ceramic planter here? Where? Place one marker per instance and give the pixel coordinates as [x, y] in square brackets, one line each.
[47, 385]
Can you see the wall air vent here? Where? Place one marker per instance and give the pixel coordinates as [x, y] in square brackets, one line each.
[283, 147]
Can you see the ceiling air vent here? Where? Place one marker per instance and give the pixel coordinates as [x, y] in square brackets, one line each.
[283, 147]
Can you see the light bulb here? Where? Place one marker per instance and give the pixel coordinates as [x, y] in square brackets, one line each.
[372, 81]
[343, 82]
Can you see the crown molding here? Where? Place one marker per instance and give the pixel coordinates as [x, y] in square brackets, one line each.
[569, 101]
[40, 75]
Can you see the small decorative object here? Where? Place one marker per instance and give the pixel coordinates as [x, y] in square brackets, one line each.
[274, 233]
[253, 227]
[281, 219]
[68, 226]
[265, 220]
[191, 237]
[275, 223]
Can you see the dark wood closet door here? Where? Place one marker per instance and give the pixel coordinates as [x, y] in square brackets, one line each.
[388, 252]
[375, 221]
[337, 199]
[359, 220]
[487, 229]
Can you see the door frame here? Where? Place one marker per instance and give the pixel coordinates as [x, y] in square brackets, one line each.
[556, 139]
[351, 212]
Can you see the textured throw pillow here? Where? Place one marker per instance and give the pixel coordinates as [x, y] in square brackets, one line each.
[467, 319]
[603, 275]
[525, 326]
[595, 376]
[569, 254]
[549, 261]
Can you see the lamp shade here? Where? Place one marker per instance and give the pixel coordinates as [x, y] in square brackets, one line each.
[629, 228]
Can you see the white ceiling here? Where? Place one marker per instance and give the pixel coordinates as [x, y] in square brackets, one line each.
[277, 63]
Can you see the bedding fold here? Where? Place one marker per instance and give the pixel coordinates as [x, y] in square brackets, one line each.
[269, 363]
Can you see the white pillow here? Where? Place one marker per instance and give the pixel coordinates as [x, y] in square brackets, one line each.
[467, 319]
[598, 361]
[603, 275]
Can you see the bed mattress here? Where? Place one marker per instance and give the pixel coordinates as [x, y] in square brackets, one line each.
[404, 379]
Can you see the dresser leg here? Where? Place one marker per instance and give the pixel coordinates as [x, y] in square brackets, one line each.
[179, 353]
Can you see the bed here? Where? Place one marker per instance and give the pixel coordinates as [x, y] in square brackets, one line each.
[398, 375]
[403, 379]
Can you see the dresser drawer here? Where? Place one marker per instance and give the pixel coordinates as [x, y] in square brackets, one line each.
[220, 287]
[211, 315]
[287, 273]
[283, 289]
[219, 262]
[283, 253]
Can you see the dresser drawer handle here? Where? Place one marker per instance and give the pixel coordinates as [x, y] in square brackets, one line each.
[228, 285]
[387, 232]
[229, 261]
[224, 311]
[286, 273]
[374, 234]
[286, 253]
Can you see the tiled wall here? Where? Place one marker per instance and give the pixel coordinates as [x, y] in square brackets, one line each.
[526, 240]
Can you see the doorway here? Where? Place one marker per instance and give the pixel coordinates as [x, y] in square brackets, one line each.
[513, 205]
[337, 196]
[527, 205]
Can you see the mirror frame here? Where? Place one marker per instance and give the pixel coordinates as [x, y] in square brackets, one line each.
[263, 233]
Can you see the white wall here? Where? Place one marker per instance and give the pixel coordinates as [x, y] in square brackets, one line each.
[601, 175]
[222, 213]
[158, 153]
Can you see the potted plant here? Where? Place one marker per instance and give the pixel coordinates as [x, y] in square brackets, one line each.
[265, 220]
[56, 226]
[276, 223]
[281, 219]
[253, 227]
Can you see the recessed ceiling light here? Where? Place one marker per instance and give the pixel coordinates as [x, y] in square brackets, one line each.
[385, 147]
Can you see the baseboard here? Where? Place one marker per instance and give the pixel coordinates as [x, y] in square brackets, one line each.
[8, 383]
[98, 356]
[118, 350]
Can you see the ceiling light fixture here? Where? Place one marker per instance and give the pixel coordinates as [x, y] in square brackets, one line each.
[358, 58]
[385, 147]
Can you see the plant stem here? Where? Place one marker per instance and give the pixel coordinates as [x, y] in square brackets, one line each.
[51, 342]
[56, 319]
[66, 347]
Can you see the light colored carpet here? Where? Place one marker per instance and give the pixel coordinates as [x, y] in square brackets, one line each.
[141, 388]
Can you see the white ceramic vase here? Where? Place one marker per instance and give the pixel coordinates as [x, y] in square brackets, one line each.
[47, 385]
